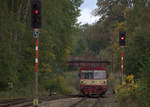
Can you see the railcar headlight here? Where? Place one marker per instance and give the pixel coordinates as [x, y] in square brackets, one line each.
[85, 87]
[82, 82]
[100, 88]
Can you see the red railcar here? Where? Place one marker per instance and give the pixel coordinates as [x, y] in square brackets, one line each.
[93, 81]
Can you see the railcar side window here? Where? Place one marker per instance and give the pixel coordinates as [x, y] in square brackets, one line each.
[99, 74]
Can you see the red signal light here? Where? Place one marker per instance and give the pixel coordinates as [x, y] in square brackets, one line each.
[122, 38]
[36, 11]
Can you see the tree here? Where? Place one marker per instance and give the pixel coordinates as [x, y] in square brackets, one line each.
[17, 42]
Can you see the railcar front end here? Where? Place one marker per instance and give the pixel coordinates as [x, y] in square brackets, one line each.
[93, 81]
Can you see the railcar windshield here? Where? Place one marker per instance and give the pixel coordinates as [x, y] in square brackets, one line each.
[100, 74]
[86, 74]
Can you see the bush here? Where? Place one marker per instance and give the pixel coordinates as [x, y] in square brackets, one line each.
[128, 88]
[144, 85]
[57, 84]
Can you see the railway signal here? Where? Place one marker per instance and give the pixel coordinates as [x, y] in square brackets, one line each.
[36, 25]
[122, 38]
[36, 13]
[122, 43]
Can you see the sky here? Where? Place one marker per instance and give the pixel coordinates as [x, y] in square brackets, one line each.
[86, 9]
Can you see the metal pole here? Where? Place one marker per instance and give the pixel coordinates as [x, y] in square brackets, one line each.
[112, 52]
[36, 66]
[112, 85]
[36, 35]
[122, 60]
[10, 89]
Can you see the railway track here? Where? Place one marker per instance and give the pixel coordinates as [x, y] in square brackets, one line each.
[95, 102]
[87, 102]
[24, 102]
[70, 101]
[78, 102]
[15, 102]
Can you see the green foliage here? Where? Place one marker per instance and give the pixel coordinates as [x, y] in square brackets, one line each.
[133, 17]
[91, 40]
[17, 43]
[144, 89]
[127, 93]
[138, 39]
[127, 89]
[138, 51]
[57, 84]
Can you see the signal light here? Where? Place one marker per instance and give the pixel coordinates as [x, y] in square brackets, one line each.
[36, 13]
[122, 38]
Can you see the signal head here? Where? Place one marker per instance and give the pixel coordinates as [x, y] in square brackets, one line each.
[122, 38]
[36, 13]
